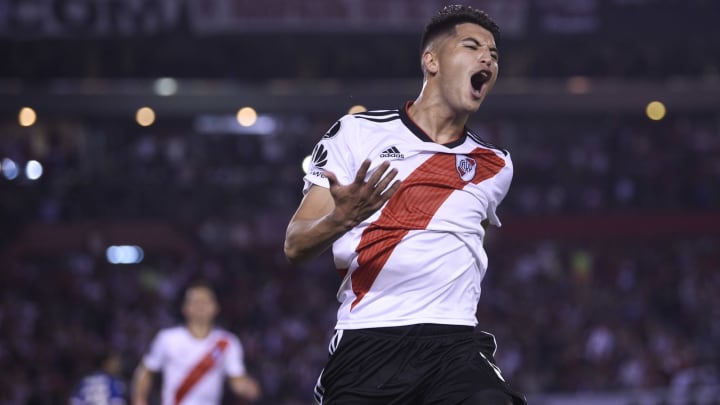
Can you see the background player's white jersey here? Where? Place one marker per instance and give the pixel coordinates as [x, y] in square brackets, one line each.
[420, 259]
[179, 355]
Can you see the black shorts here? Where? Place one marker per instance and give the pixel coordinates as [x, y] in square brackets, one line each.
[413, 365]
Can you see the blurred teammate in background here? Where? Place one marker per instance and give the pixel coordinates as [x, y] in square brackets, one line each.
[195, 358]
[104, 386]
[403, 197]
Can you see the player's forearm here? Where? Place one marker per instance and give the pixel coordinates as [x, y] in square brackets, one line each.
[245, 387]
[308, 238]
[142, 381]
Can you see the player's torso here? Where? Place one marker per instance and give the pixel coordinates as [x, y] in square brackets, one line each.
[184, 354]
[444, 189]
[419, 258]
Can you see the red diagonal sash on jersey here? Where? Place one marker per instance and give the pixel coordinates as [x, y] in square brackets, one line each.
[412, 207]
[200, 369]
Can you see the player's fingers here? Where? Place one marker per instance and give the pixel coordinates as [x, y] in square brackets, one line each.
[391, 190]
[383, 183]
[362, 172]
[377, 175]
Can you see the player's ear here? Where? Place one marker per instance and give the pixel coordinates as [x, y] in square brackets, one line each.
[430, 63]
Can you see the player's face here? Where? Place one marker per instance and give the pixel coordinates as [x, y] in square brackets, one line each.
[467, 66]
[200, 305]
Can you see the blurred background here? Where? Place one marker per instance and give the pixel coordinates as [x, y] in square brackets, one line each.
[147, 143]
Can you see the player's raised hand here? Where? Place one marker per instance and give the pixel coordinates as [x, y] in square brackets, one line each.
[358, 200]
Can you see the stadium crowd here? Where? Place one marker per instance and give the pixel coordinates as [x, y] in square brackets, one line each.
[572, 316]
[542, 38]
[573, 313]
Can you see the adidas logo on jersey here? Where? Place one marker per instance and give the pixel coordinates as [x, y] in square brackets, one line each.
[392, 153]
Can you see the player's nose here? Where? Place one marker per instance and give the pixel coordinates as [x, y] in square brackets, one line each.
[484, 57]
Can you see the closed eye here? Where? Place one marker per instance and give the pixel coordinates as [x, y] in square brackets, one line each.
[474, 45]
[494, 53]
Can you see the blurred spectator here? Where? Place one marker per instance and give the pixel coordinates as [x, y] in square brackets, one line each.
[103, 386]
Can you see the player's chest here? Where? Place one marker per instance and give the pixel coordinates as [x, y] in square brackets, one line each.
[186, 354]
[429, 172]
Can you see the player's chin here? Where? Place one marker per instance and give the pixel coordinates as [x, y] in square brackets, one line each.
[474, 104]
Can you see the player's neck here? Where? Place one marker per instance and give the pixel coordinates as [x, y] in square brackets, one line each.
[199, 330]
[438, 121]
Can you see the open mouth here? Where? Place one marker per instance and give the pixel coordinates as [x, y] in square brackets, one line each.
[479, 79]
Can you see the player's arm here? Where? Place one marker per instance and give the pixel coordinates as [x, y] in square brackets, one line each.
[245, 387]
[141, 384]
[325, 214]
[314, 227]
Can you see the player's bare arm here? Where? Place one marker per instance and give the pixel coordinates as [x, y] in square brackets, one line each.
[142, 382]
[324, 215]
[245, 387]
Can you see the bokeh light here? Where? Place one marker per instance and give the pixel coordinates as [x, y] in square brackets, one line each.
[306, 164]
[9, 169]
[33, 170]
[655, 110]
[165, 86]
[145, 116]
[124, 254]
[357, 109]
[27, 117]
[247, 116]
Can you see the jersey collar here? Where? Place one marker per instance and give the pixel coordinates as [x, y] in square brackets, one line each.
[415, 129]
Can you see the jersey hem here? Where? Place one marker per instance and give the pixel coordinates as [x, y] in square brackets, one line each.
[404, 322]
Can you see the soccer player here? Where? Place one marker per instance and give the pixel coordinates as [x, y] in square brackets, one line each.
[195, 358]
[403, 197]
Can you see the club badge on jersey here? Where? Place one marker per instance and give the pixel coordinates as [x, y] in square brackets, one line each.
[465, 166]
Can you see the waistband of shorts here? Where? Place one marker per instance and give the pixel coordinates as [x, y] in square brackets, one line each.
[419, 330]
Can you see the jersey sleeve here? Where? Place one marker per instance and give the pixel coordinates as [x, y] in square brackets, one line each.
[155, 357]
[334, 153]
[500, 190]
[234, 362]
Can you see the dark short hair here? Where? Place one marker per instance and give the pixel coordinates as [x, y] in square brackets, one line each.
[450, 16]
[200, 283]
[195, 284]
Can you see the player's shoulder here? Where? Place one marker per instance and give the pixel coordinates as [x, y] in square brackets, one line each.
[373, 118]
[376, 116]
[172, 332]
[222, 332]
[476, 138]
[356, 123]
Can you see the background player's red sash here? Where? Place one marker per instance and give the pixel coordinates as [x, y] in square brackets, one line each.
[202, 367]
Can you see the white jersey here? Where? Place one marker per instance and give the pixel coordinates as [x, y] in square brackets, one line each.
[194, 369]
[420, 258]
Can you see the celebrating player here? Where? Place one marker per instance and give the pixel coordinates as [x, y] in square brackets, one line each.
[403, 197]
